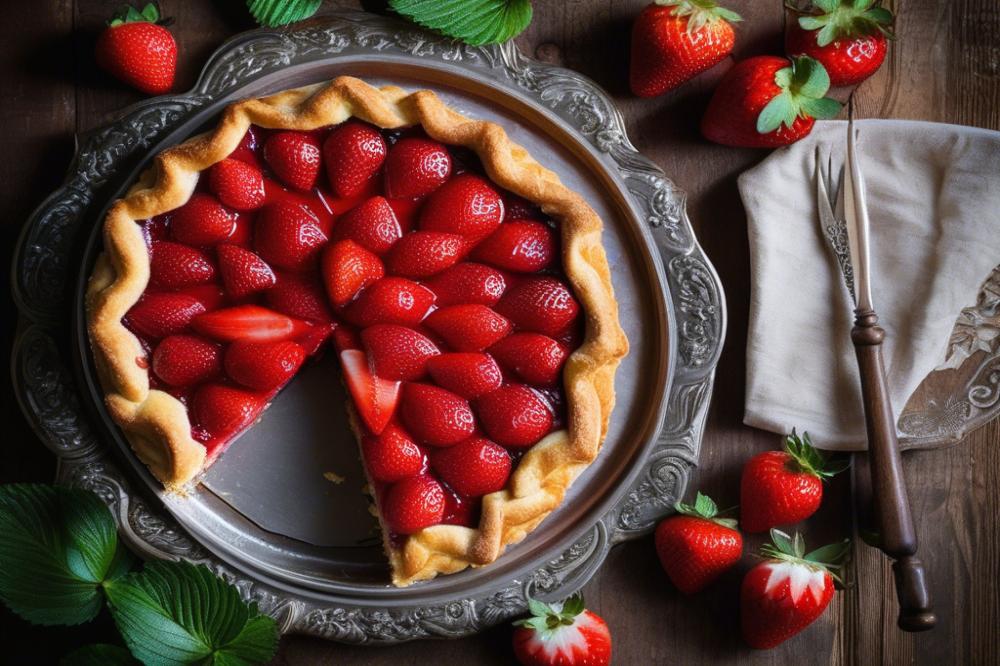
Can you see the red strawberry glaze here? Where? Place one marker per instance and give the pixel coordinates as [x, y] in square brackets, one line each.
[472, 283]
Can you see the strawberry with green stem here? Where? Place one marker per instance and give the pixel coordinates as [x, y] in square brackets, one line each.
[136, 48]
[697, 546]
[562, 634]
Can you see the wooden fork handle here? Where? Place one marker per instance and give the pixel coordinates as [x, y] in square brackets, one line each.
[898, 537]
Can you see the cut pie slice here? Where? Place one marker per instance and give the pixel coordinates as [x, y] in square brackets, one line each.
[464, 289]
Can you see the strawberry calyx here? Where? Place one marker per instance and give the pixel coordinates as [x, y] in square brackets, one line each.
[129, 14]
[785, 548]
[700, 13]
[802, 88]
[704, 507]
[548, 618]
[846, 19]
[807, 458]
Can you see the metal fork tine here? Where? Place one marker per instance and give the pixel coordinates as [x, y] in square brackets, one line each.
[822, 188]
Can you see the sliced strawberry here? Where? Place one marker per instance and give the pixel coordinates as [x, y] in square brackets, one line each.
[436, 416]
[238, 184]
[524, 246]
[423, 253]
[345, 337]
[263, 366]
[391, 300]
[294, 157]
[243, 272]
[300, 296]
[353, 152]
[397, 352]
[514, 416]
[172, 265]
[468, 327]
[248, 322]
[542, 304]
[348, 268]
[183, 360]
[209, 295]
[288, 235]
[372, 225]
[468, 283]
[412, 504]
[535, 358]
[416, 167]
[475, 467]
[158, 315]
[392, 456]
[470, 375]
[203, 221]
[374, 398]
[225, 410]
[466, 205]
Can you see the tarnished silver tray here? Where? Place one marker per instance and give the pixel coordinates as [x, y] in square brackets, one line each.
[266, 518]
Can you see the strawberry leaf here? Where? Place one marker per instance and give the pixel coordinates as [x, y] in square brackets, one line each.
[827, 5]
[272, 13]
[832, 554]
[777, 111]
[474, 22]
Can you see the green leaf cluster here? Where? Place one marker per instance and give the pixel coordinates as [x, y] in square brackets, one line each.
[129, 14]
[272, 13]
[793, 549]
[549, 617]
[847, 19]
[474, 22]
[705, 507]
[802, 89]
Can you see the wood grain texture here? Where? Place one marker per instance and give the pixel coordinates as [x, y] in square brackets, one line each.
[945, 66]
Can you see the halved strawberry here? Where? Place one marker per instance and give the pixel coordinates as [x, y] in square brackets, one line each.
[348, 268]
[248, 322]
[203, 220]
[183, 360]
[397, 352]
[263, 366]
[243, 272]
[346, 337]
[541, 304]
[288, 235]
[468, 283]
[412, 504]
[514, 416]
[436, 416]
[158, 315]
[238, 184]
[524, 246]
[535, 358]
[353, 152]
[416, 167]
[423, 253]
[300, 296]
[468, 374]
[392, 456]
[466, 205]
[294, 157]
[475, 467]
[374, 398]
[225, 410]
[172, 265]
[391, 300]
[468, 327]
[372, 225]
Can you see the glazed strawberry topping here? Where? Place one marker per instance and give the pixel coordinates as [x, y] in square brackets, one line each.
[441, 293]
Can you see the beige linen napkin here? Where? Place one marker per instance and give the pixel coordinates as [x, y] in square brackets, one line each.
[933, 194]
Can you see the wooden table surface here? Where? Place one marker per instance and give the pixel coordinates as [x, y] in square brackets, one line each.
[945, 66]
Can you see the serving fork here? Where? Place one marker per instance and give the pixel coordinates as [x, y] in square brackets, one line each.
[843, 215]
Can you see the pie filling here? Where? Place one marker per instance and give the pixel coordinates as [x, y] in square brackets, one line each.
[443, 296]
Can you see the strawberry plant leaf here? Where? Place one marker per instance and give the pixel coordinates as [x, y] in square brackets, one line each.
[150, 13]
[827, 5]
[776, 112]
[809, 78]
[177, 613]
[833, 553]
[272, 13]
[59, 546]
[704, 505]
[99, 654]
[474, 22]
[782, 541]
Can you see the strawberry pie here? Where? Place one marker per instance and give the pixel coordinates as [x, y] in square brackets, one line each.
[463, 288]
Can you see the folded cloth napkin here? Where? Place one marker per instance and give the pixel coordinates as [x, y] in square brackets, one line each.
[933, 194]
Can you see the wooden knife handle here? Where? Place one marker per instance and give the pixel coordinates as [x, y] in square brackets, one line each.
[898, 536]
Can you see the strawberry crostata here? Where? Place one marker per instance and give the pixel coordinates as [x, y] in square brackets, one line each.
[463, 287]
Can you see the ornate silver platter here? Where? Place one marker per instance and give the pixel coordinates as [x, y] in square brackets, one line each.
[264, 515]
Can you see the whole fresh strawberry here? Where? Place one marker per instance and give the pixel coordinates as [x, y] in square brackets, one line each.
[784, 487]
[767, 101]
[136, 50]
[562, 634]
[847, 36]
[697, 546]
[674, 40]
[784, 594]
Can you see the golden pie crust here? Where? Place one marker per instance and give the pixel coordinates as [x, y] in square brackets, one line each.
[156, 424]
